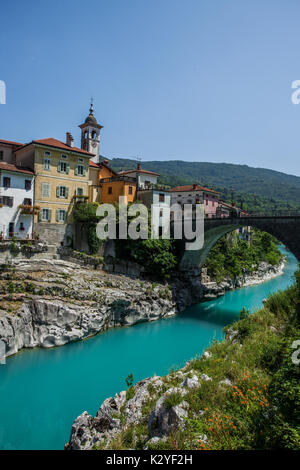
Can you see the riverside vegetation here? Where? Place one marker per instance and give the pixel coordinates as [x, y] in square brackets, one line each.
[243, 393]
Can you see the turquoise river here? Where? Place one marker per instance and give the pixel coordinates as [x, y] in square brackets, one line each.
[43, 390]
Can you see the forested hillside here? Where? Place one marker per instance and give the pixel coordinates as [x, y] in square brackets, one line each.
[255, 188]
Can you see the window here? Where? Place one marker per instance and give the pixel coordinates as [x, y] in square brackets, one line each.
[27, 202]
[206, 202]
[21, 228]
[47, 163]
[6, 182]
[109, 190]
[80, 170]
[7, 201]
[11, 229]
[62, 192]
[161, 197]
[130, 190]
[80, 160]
[46, 215]
[47, 154]
[46, 189]
[79, 191]
[61, 215]
[64, 157]
[63, 167]
[1, 155]
[28, 185]
[160, 213]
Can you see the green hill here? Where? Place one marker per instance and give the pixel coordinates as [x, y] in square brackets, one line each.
[255, 188]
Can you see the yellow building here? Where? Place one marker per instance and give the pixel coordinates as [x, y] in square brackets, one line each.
[61, 177]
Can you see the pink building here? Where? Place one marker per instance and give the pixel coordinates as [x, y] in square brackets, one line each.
[193, 194]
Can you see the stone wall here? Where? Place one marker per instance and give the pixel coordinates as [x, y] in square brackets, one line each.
[55, 234]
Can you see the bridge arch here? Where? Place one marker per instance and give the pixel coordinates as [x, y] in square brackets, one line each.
[284, 228]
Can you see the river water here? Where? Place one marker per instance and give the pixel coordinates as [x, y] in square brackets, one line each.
[42, 391]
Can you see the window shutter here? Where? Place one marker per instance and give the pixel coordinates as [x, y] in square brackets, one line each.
[57, 191]
[84, 171]
[76, 170]
[67, 193]
[57, 216]
[67, 168]
[58, 167]
[49, 215]
[40, 215]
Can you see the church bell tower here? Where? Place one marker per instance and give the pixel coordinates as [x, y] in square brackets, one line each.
[90, 135]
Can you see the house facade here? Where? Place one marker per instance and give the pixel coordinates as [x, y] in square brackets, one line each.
[97, 172]
[16, 201]
[145, 179]
[114, 187]
[195, 194]
[61, 177]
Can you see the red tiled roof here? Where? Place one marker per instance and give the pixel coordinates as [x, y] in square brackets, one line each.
[94, 165]
[10, 142]
[191, 187]
[51, 142]
[138, 171]
[100, 165]
[14, 168]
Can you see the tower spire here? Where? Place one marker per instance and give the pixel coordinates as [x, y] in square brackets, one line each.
[92, 106]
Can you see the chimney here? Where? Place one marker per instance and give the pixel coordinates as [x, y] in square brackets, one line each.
[105, 162]
[138, 166]
[195, 186]
[69, 139]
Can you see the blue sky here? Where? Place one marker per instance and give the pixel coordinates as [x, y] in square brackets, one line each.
[197, 80]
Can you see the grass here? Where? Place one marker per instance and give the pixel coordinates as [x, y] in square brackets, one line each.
[172, 399]
[258, 409]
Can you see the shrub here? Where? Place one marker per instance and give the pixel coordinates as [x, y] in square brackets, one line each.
[172, 399]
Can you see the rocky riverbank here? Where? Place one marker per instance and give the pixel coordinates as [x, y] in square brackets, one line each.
[264, 272]
[49, 303]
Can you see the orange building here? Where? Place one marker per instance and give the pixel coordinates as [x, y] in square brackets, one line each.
[98, 171]
[116, 186]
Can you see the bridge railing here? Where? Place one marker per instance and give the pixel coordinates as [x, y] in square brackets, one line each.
[285, 213]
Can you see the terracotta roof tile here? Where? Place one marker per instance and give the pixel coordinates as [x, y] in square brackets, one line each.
[51, 142]
[10, 142]
[191, 187]
[14, 168]
[138, 171]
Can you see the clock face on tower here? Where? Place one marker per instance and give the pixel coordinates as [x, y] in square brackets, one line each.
[94, 144]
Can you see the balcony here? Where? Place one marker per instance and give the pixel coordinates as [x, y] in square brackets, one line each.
[127, 179]
[28, 209]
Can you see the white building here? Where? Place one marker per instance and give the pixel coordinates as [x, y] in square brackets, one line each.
[145, 179]
[16, 189]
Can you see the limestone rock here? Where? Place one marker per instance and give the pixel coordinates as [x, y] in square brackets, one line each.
[162, 420]
[205, 377]
[190, 383]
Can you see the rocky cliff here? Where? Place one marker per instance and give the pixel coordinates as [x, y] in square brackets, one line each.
[149, 411]
[50, 303]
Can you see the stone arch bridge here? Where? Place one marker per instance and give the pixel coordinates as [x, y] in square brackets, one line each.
[286, 228]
